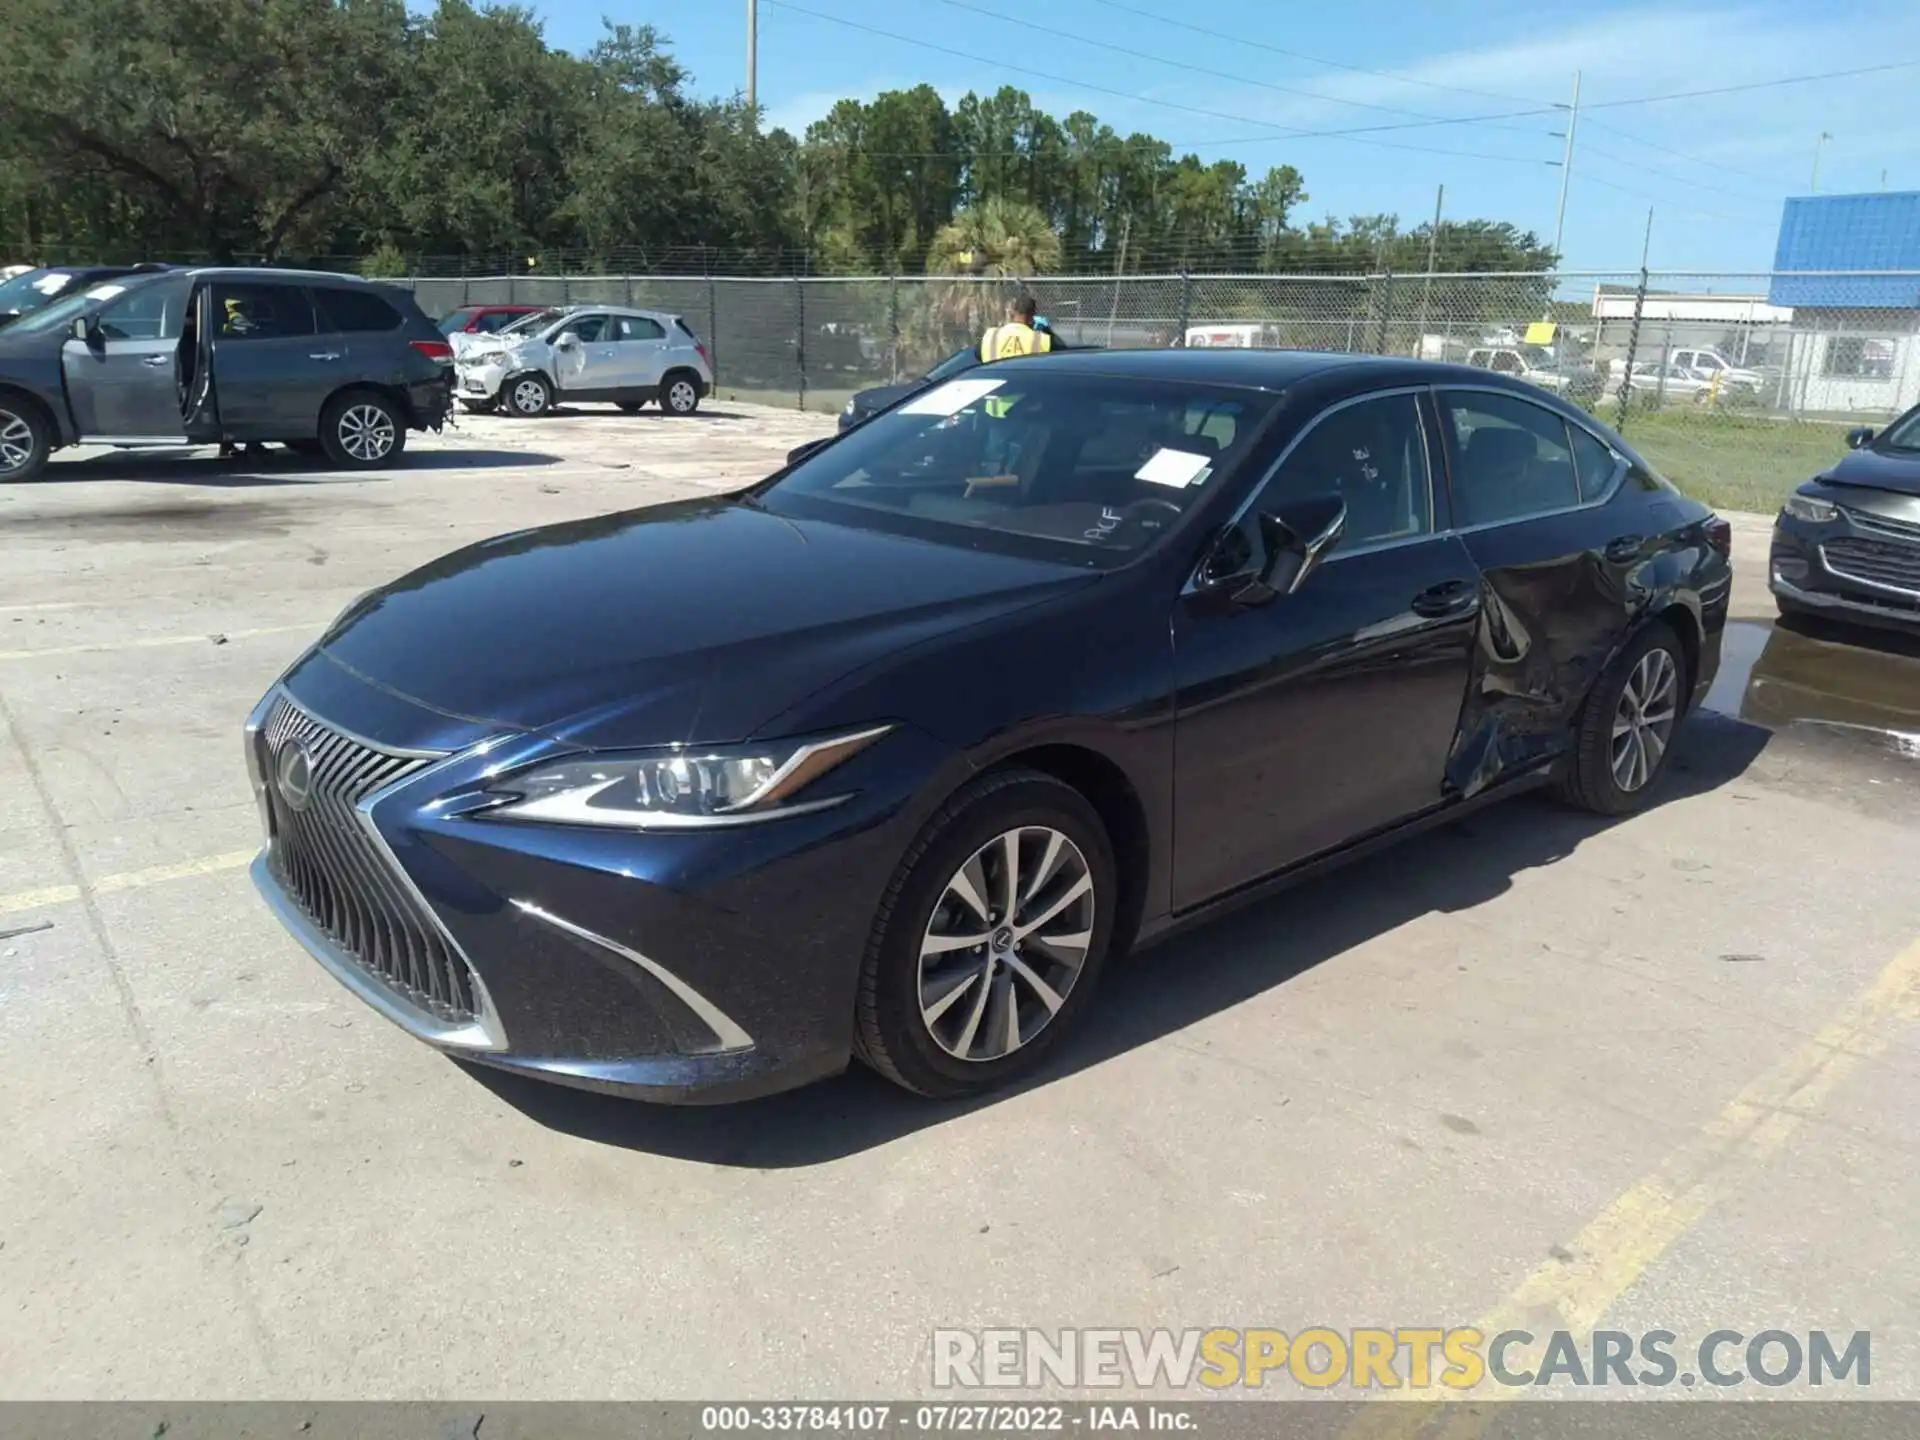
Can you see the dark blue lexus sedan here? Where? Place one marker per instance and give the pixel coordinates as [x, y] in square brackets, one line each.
[889, 755]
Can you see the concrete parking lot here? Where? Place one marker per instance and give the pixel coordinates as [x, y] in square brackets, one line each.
[1529, 1068]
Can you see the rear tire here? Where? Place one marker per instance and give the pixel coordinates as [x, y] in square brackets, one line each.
[528, 395]
[680, 393]
[934, 1017]
[26, 440]
[1624, 735]
[362, 430]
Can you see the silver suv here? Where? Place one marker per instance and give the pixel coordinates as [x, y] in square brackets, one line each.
[586, 352]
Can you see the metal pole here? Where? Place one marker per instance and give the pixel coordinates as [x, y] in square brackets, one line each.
[1566, 169]
[800, 334]
[1633, 330]
[753, 55]
[1817, 144]
[1426, 289]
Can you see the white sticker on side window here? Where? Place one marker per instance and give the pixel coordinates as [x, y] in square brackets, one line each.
[950, 398]
[1178, 468]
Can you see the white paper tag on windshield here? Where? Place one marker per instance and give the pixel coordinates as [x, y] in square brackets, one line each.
[51, 284]
[950, 398]
[106, 292]
[1178, 468]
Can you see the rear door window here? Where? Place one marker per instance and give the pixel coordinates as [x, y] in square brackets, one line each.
[260, 312]
[355, 311]
[637, 327]
[1514, 458]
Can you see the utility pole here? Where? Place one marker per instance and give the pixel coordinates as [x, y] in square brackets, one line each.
[753, 54]
[1817, 144]
[1566, 168]
[1426, 285]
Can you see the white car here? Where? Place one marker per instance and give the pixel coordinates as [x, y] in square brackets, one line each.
[585, 352]
[1523, 362]
[1708, 364]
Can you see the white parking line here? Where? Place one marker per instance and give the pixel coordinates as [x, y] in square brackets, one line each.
[126, 880]
[154, 642]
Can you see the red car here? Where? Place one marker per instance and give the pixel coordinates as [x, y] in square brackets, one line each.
[483, 319]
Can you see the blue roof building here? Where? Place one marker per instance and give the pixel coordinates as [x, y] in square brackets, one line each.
[1849, 232]
[1848, 266]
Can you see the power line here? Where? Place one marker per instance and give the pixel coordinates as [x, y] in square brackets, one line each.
[1355, 134]
[1687, 180]
[1670, 204]
[1758, 85]
[1223, 74]
[1242, 40]
[1683, 155]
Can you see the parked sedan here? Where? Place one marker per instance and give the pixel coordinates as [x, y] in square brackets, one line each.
[588, 352]
[891, 754]
[327, 364]
[1847, 543]
[30, 289]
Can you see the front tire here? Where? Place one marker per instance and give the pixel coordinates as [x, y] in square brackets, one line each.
[1624, 737]
[529, 395]
[362, 430]
[26, 440]
[990, 939]
[680, 394]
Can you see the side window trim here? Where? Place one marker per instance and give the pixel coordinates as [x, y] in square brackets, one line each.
[1621, 464]
[1433, 529]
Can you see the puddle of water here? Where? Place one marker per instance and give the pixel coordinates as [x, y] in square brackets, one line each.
[1779, 675]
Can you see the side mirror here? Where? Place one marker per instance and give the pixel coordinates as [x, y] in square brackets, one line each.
[568, 341]
[1859, 436]
[86, 330]
[1291, 541]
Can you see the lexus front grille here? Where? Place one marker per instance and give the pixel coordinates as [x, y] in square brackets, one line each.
[1885, 564]
[332, 866]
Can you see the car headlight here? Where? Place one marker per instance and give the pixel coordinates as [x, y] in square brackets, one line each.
[680, 788]
[1815, 512]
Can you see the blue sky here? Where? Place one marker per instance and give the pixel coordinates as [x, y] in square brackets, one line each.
[1714, 169]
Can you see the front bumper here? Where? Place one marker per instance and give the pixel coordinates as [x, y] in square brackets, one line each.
[478, 382]
[688, 967]
[1860, 566]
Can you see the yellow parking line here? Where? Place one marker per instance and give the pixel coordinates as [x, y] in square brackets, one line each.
[126, 880]
[154, 642]
[1618, 1246]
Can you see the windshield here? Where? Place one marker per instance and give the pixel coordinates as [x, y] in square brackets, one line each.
[33, 289]
[60, 313]
[527, 323]
[1903, 434]
[953, 365]
[1087, 469]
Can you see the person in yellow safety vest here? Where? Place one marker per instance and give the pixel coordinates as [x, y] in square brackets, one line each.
[1018, 336]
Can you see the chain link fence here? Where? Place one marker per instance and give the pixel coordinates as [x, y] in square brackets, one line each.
[1732, 392]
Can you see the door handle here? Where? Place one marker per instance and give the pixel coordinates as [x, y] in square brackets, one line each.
[324, 355]
[156, 361]
[1623, 548]
[1449, 597]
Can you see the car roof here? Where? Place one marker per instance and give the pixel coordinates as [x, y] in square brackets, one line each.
[1255, 369]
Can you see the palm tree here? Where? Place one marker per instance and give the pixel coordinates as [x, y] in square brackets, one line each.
[985, 247]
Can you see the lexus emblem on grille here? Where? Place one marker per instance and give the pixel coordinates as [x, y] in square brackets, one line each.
[294, 775]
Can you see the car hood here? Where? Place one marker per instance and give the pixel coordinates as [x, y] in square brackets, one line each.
[1877, 471]
[696, 621]
[480, 349]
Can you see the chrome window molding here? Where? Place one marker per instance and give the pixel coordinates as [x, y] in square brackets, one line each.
[725, 1029]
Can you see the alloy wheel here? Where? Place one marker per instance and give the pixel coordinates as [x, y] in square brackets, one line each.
[16, 441]
[366, 432]
[1643, 721]
[529, 397]
[1005, 943]
[682, 397]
